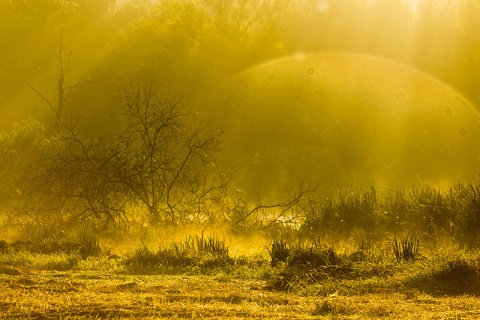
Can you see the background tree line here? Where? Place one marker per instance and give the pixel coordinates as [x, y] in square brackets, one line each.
[194, 45]
[123, 141]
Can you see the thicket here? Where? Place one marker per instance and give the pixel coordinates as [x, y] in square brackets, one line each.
[158, 172]
[437, 215]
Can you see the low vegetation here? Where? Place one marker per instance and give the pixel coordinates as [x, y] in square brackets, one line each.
[347, 254]
[200, 277]
[344, 254]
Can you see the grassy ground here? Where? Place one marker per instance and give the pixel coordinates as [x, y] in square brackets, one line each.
[92, 295]
[63, 287]
[197, 278]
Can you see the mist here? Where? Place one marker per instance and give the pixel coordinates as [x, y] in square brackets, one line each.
[341, 118]
[250, 100]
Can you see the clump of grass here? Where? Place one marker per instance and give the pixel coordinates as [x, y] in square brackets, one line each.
[303, 264]
[89, 243]
[460, 268]
[301, 255]
[211, 245]
[406, 249]
[446, 273]
[279, 252]
[3, 246]
[459, 274]
[38, 261]
[60, 262]
[440, 274]
[103, 264]
[330, 307]
[369, 251]
[195, 251]
[253, 267]
[312, 256]
[142, 257]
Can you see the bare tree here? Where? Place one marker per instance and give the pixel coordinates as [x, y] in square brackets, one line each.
[161, 164]
[67, 181]
[162, 152]
[63, 91]
[244, 216]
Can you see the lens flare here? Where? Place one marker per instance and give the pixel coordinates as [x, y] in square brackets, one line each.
[346, 117]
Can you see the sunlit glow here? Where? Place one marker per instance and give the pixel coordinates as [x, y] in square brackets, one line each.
[322, 102]
[413, 5]
[323, 5]
[361, 91]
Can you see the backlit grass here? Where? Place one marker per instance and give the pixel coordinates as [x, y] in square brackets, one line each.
[438, 285]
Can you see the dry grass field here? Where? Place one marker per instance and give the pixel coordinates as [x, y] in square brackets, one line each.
[86, 294]
[199, 279]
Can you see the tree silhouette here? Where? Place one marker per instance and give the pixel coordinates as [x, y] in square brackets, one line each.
[63, 91]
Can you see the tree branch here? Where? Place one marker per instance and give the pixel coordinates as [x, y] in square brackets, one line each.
[44, 99]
